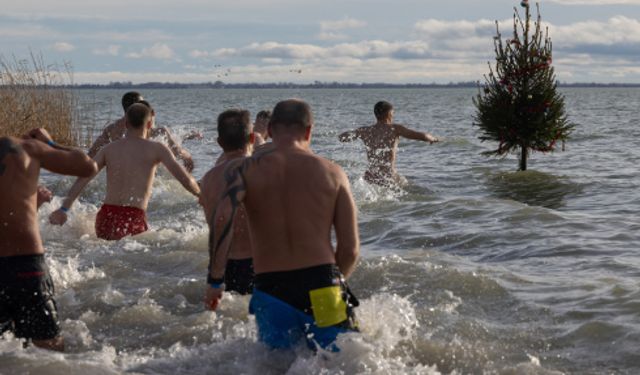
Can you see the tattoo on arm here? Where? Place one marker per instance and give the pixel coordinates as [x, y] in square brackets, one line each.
[6, 147]
[235, 180]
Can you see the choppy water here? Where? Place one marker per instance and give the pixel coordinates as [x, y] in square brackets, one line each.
[473, 269]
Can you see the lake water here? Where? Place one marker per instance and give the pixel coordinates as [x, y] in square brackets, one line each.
[474, 268]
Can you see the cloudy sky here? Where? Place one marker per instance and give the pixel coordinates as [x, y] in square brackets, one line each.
[397, 41]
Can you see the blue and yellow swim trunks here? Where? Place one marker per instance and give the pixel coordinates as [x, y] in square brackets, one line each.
[313, 304]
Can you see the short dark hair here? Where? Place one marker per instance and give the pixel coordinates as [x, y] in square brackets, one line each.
[137, 115]
[263, 115]
[130, 98]
[382, 109]
[234, 128]
[291, 114]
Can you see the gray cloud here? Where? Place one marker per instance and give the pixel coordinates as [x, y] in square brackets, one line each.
[369, 49]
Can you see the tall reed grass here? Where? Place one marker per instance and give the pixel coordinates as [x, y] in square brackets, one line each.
[34, 94]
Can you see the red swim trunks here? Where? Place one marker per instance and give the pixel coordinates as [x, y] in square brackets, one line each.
[115, 222]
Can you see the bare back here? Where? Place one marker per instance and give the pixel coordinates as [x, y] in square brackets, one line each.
[213, 187]
[290, 200]
[381, 142]
[131, 166]
[19, 174]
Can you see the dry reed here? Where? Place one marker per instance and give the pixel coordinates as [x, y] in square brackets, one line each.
[34, 94]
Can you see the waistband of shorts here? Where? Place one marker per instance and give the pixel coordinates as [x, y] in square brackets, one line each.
[114, 207]
[240, 261]
[311, 277]
[22, 266]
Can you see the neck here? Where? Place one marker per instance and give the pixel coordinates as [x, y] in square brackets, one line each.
[384, 122]
[136, 133]
[237, 153]
[290, 141]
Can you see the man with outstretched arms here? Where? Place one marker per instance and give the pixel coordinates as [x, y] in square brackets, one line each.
[381, 142]
[131, 166]
[293, 199]
[235, 137]
[27, 306]
[117, 129]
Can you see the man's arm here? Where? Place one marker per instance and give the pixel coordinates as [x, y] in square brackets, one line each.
[178, 151]
[59, 216]
[103, 140]
[345, 222]
[56, 158]
[221, 231]
[167, 159]
[349, 136]
[412, 134]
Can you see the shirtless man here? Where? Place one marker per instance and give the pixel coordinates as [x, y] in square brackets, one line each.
[117, 129]
[235, 137]
[131, 166]
[381, 141]
[293, 199]
[260, 127]
[27, 306]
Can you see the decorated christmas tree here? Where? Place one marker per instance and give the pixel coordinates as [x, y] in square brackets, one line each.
[519, 105]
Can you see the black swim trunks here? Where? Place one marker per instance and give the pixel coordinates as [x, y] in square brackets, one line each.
[239, 275]
[293, 288]
[27, 307]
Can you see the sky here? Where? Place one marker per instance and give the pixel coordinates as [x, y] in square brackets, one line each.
[302, 41]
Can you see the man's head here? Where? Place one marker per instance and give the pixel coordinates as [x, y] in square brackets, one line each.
[129, 99]
[264, 115]
[234, 130]
[382, 110]
[138, 117]
[291, 116]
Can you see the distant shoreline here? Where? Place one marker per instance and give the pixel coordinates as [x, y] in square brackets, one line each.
[315, 85]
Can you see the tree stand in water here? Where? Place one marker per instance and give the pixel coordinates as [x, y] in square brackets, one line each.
[523, 158]
[519, 105]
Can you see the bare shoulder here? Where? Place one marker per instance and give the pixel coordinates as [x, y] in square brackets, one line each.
[110, 147]
[399, 126]
[212, 177]
[111, 128]
[331, 168]
[364, 129]
[156, 146]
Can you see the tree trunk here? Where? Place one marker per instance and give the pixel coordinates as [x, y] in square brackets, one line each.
[523, 158]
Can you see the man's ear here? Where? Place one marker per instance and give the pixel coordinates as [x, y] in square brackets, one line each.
[252, 138]
[307, 133]
[150, 124]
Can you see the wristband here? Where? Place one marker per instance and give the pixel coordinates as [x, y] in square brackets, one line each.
[51, 143]
[64, 209]
[217, 285]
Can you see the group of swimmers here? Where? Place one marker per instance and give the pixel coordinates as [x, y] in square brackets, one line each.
[271, 208]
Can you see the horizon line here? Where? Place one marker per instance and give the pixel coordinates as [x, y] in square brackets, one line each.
[319, 84]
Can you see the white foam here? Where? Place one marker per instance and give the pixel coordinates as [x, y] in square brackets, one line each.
[364, 192]
[66, 274]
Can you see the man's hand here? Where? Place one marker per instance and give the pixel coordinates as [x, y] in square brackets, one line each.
[431, 139]
[44, 195]
[187, 160]
[39, 134]
[212, 297]
[194, 134]
[58, 217]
